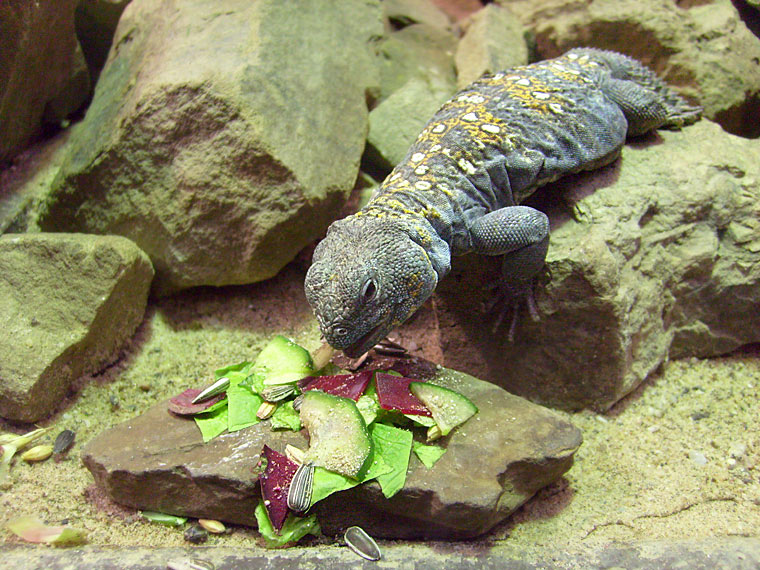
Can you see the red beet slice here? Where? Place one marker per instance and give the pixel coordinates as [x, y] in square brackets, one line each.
[393, 394]
[275, 483]
[345, 385]
[183, 404]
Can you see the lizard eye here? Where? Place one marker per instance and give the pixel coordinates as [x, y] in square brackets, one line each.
[369, 291]
[340, 331]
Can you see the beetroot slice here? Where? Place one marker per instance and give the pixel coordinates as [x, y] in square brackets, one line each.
[393, 394]
[275, 483]
[183, 403]
[345, 385]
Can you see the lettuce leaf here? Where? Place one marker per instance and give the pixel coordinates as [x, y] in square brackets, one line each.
[213, 422]
[328, 482]
[394, 446]
[285, 417]
[428, 454]
[242, 406]
[294, 529]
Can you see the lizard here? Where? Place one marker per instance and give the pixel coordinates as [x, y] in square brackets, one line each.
[460, 186]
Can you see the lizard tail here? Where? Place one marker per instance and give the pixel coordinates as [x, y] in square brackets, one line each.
[678, 112]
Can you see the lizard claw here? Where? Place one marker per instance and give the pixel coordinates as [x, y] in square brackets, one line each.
[513, 305]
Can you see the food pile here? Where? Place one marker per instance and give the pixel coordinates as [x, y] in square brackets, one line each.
[361, 428]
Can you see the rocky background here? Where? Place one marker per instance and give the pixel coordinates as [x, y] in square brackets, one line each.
[153, 148]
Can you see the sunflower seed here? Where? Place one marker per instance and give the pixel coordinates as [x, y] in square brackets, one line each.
[189, 564]
[277, 393]
[361, 543]
[64, 441]
[297, 402]
[390, 348]
[299, 493]
[217, 387]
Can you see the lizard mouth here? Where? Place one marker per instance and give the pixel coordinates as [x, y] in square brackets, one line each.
[366, 341]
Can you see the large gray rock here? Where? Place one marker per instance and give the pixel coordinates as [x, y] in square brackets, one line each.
[396, 122]
[494, 463]
[656, 255]
[494, 40]
[68, 303]
[703, 48]
[41, 68]
[419, 52]
[223, 136]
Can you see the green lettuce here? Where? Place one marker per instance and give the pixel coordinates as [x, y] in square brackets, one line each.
[428, 454]
[286, 417]
[212, 422]
[243, 405]
[394, 446]
[294, 529]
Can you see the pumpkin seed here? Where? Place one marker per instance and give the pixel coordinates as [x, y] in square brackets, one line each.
[299, 493]
[433, 433]
[213, 526]
[361, 543]
[294, 453]
[217, 387]
[266, 409]
[322, 356]
[37, 453]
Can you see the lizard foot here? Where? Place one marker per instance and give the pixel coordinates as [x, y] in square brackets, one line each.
[510, 303]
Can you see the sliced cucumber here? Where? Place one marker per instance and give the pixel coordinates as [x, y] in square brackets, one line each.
[283, 361]
[338, 437]
[449, 408]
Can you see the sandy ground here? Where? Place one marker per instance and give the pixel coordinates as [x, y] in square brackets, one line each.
[678, 459]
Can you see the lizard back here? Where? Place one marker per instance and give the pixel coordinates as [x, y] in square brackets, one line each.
[499, 139]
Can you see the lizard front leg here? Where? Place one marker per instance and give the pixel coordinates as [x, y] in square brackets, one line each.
[521, 234]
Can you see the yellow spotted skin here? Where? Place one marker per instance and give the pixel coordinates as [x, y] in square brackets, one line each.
[458, 188]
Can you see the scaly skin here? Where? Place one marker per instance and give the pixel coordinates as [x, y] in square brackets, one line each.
[483, 152]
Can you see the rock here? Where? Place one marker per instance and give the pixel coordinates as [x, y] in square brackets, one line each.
[39, 54]
[96, 22]
[396, 122]
[705, 50]
[419, 52]
[26, 182]
[494, 463]
[653, 257]
[402, 13]
[223, 136]
[493, 41]
[68, 303]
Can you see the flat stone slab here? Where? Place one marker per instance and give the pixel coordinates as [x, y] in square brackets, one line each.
[493, 464]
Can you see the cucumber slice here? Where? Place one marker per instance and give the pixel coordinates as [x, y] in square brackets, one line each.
[338, 437]
[449, 408]
[282, 361]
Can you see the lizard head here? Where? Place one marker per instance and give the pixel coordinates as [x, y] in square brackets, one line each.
[367, 277]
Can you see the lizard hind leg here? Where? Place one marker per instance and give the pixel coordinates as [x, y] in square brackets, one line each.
[647, 101]
[519, 271]
[521, 234]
